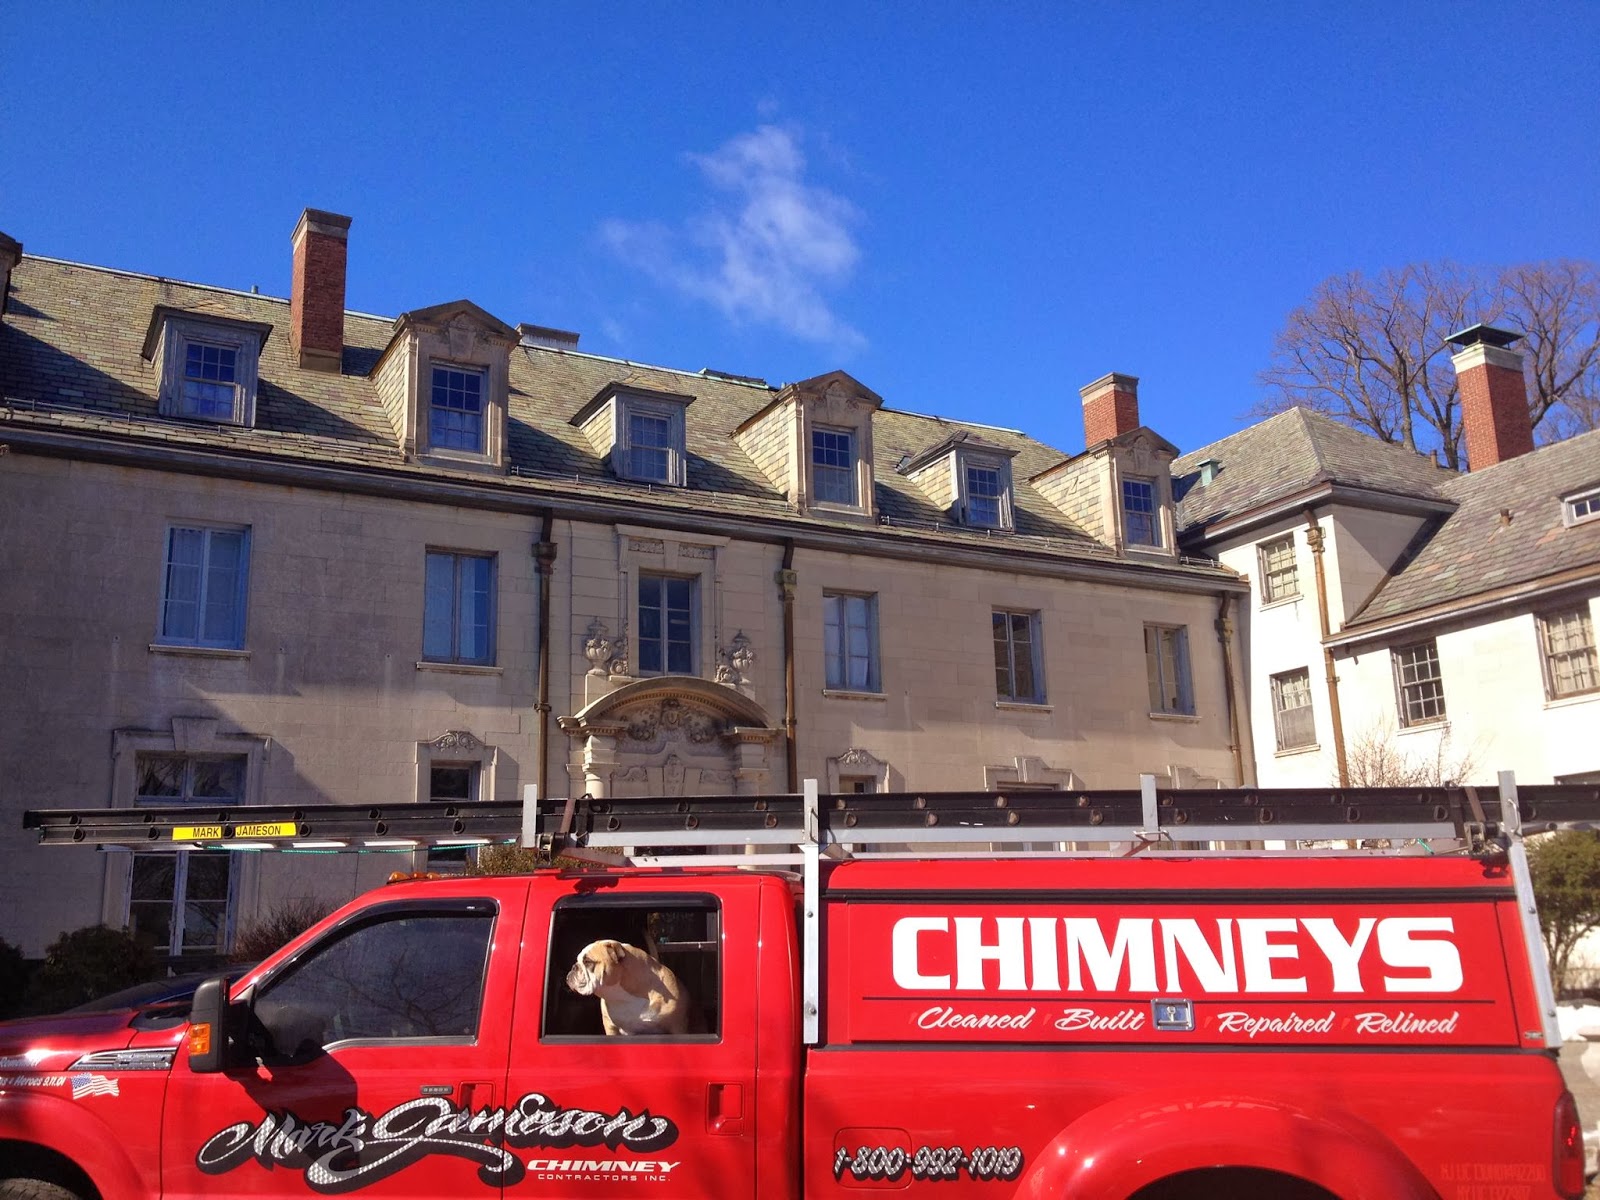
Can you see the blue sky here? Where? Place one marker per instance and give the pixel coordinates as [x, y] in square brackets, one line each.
[975, 210]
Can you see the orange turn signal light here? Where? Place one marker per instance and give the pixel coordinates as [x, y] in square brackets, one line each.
[200, 1039]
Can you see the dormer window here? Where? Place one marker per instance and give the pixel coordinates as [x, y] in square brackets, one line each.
[455, 417]
[984, 496]
[833, 466]
[1584, 507]
[1141, 518]
[443, 380]
[966, 476]
[642, 432]
[208, 365]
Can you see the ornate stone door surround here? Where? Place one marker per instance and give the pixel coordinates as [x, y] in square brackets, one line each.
[676, 735]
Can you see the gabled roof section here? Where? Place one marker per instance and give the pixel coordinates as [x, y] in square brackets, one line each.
[618, 387]
[442, 314]
[1288, 453]
[817, 387]
[1506, 533]
[963, 438]
[201, 312]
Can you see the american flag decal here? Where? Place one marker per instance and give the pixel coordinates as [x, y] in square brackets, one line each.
[93, 1085]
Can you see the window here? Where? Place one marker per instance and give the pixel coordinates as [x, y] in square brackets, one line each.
[649, 441]
[455, 413]
[850, 638]
[1567, 640]
[666, 625]
[984, 496]
[1140, 518]
[1416, 671]
[452, 783]
[833, 466]
[1016, 657]
[210, 386]
[1280, 575]
[1291, 709]
[203, 588]
[682, 932]
[182, 901]
[458, 608]
[1583, 508]
[208, 365]
[1166, 662]
[409, 973]
[858, 785]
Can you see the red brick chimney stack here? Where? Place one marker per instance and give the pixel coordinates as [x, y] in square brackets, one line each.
[1494, 396]
[316, 298]
[1110, 408]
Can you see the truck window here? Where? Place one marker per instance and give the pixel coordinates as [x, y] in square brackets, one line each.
[682, 934]
[401, 974]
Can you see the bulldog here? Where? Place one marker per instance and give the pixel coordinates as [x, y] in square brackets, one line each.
[638, 994]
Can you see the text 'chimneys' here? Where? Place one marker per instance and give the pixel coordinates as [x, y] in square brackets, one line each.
[1110, 408]
[1494, 396]
[316, 297]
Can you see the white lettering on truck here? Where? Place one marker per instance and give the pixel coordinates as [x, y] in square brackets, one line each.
[1264, 952]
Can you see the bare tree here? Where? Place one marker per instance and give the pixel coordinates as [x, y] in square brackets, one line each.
[1371, 351]
[1375, 759]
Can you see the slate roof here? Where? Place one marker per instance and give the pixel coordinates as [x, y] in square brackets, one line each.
[1288, 453]
[1506, 530]
[1467, 551]
[70, 360]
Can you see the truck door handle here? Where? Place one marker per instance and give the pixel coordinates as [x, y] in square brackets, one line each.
[477, 1095]
[725, 1109]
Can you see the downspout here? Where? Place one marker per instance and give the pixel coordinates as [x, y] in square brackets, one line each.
[1314, 540]
[1224, 626]
[787, 581]
[544, 563]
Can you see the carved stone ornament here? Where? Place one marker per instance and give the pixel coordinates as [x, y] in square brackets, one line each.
[735, 660]
[458, 741]
[607, 655]
[857, 757]
[670, 719]
[672, 776]
[463, 337]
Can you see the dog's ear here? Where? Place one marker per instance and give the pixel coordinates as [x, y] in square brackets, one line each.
[612, 950]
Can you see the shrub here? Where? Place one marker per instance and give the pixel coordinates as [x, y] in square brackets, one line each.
[282, 922]
[89, 962]
[13, 979]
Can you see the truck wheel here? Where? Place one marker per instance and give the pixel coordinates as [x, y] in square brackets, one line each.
[35, 1189]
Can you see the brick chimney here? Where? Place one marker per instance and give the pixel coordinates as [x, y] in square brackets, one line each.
[1494, 397]
[316, 297]
[1110, 408]
[10, 256]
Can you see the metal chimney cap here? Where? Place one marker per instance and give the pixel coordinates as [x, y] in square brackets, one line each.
[1486, 335]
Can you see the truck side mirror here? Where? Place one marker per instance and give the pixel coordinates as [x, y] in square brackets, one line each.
[207, 1039]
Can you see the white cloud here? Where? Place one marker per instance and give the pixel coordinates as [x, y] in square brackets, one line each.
[764, 247]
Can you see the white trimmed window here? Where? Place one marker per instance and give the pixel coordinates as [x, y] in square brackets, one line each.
[666, 624]
[1419, 684]
[985, 491]
[650, 440]
[1141, 516]
[1584, 507]
[850, 640]
[204, 586]
[1291, 709]
[1017, 676]
[1567, 641]
[1166, 662]
[458, 608]
[1280, 574]
[833, 466]
[456, 408]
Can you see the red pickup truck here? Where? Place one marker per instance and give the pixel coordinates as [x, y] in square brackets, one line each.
[1152, 1027]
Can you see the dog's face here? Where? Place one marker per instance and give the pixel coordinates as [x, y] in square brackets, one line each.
[597, 962]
